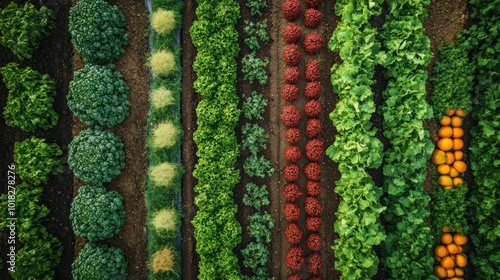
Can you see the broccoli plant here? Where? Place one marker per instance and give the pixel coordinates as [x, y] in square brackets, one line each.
[36, 160]
[254, 106]
[97, 30]
[22, 28]
[96, 262]
[30, 100]
[96, 156]
[96, 213]
[99, 96]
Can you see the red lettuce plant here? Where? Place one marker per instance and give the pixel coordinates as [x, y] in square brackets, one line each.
[290, 116]
[312, 70]
[293, 153]
[314, 149]
[312, 18]
[291, 74]
[313, 188]
[291, 9]
[313, 3]
[313, 207]
[292, 211]
[292, 192]
[313, 128]
[312, 90]
[290, 92]
[292, 55]
[313, 42]
[292, 33]
[292, 135]
[293, 233]
[314, 263]
[313, 223]
[291, 172]
[294, 258]
[314, 242]
[313, 108]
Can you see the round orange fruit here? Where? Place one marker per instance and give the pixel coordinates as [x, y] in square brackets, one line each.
[452, 248]
[445, 131]
[457, 181]
[460, 166]
[440, 272]
[453, 172]
[459, 239]
[456, 121]
[446, 238]
[459, 155]
[460, 113]
[446, 120]
[457, 144]
[445, 181]
[457, 132]
[441, 251]
[439, 157]
[451, 158]
[445, 144]
[461, 260]
[447, 262]
[450, 112]
[443, 169]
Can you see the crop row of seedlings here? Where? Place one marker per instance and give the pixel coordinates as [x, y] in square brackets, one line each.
[164, 134]
[254, 140]
[452, 82]
[29, 107]
[98, 96]
[408, 244]
[356, 148]
[482, 43]
[216, 229]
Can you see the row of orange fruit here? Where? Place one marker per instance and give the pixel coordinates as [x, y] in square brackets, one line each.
[448, 155]
[450, 257]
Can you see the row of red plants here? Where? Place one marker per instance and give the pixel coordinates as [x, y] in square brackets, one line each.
[314, 148]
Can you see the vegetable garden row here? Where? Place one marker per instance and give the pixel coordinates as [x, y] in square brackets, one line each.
[434, 141]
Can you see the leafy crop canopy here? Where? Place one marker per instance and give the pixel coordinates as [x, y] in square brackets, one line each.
[96, 213]
[31, 95]
[96, 156]
[22, 28]
[97, 262]
[97, 30]
[99, 96]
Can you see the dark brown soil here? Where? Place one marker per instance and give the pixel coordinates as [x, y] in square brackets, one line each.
[131, 183]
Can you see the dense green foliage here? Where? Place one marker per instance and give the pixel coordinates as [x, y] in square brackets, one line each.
[256, 196]
[36, 160]
[258, 166]
[254, 138]
[253, 68]
[452, 80]
[407, 248]
[31, 95]
[161, 197]
[256, 6]
[98, 95]
[254, 106]
[97, 30]
[255, 32]
[356, 148]
[41, 251]
[97, 262]
[482, 42]
[96, 156]
[22, 28]
[449, 208]
[216, 229]
[96, 213]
